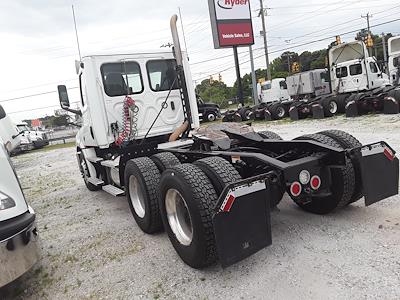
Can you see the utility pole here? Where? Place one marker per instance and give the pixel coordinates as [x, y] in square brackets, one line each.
[367, 17]
[253, 76]
[239, 79]
[385, 58]
[264, 33]
[288, 56]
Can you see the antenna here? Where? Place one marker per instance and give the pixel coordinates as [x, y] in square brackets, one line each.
[76, 33]
[183, 31]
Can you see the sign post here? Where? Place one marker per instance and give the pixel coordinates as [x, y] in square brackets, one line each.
[232, 27]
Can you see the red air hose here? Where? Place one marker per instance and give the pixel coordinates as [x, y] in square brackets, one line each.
[126, 121]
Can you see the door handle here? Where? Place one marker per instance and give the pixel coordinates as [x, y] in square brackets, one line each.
[172, 105]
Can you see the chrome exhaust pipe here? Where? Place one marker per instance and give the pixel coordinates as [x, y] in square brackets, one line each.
[175, 38]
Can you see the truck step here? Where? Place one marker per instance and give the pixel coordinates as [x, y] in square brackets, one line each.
[94, 159]
[113, 190]
[95, 181]
[110, 163]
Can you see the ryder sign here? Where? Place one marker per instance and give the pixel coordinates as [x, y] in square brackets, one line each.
[231, 23]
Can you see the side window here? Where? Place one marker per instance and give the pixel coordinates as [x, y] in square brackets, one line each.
[396, 61]
[373, 66]
[123, 78]
[324, 77]
[283, 85]
[162, 75]
[355, 69]
[341, 72]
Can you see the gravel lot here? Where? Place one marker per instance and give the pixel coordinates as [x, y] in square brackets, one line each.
[92, 249]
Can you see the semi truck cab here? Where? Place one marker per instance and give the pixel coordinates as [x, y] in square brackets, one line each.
[394, 59]
[8, 132]
[273, 90]
[352, 70]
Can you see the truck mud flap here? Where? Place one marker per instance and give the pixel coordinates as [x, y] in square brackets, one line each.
[390, 106]
[242, 223]
[294, 113]
[351, 109]
[379, 172]
[318, 111]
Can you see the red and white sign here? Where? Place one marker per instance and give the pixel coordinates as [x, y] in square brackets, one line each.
[231, 23]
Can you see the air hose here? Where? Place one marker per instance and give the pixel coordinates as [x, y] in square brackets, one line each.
[129, 121]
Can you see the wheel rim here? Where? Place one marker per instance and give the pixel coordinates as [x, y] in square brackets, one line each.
[333, 107]
[281, 112]
[178, 217]
[211, 118]
[136, 196]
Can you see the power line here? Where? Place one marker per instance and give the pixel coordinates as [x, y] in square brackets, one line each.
[33, 95]
[40, 108]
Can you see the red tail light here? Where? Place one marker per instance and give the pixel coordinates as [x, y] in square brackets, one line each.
[315, 182]
[295, 189]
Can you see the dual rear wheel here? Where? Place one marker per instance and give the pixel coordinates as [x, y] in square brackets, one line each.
[162, 193]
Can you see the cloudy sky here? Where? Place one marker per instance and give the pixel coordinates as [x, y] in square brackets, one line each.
[38, 46]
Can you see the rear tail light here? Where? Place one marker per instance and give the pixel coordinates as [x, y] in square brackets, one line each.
[389, 154]
[315, 182]
[295, 189]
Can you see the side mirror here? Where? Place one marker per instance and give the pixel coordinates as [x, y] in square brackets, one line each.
[63, 96]
[2, 113]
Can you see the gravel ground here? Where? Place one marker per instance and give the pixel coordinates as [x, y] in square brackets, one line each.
[92, 249]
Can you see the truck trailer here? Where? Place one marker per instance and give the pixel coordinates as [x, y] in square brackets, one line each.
[210, 188]
[19, 241]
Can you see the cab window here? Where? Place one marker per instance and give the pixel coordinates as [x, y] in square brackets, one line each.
[283, 85]
[374, 67]
[396, 61]
[122, 78]
[355, 69]
[324, 77]
[341, 72]
[162, 75]
[266, 86]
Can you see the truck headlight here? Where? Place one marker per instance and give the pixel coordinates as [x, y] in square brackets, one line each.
[6, 202]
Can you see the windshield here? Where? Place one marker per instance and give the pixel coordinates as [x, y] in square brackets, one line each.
[23, 128]
[266, 86]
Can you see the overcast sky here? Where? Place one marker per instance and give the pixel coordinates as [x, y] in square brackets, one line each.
[38, 46]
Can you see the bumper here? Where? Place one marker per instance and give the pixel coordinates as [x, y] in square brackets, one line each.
[19, 251]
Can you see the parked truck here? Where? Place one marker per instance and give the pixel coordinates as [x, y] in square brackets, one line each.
[37, 138]
[8, 133]
[357, 85]
[394, 59]
[19, 243]
[211, 188]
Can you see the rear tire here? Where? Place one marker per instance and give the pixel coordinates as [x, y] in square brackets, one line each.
[343, 183]
[347, 141]
[142, 179]
[277, 111]
[186, 205]
[330, 106]
[165, 160]
[220, 172]
[269, 135]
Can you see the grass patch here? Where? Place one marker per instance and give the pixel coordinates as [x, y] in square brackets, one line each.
[55, 147]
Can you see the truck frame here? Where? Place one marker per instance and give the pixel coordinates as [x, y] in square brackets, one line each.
[211, 188]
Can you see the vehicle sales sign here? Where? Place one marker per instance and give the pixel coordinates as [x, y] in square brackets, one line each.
[231, 23]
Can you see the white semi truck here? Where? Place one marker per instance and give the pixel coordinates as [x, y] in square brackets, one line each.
[394, 59]
[357, 85]
[19, 242]
[8, 133]
[211, 188]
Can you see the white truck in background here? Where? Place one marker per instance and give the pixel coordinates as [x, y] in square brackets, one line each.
[273, 90]
[308, 85]
[19, 242]
[357, 85]
[394, 59]
[9, 134]
[33, 139]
